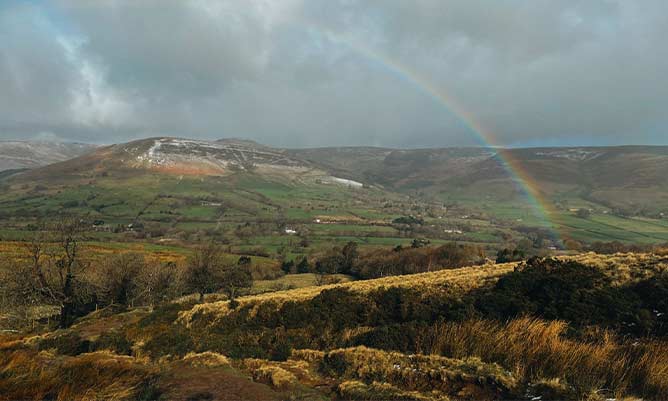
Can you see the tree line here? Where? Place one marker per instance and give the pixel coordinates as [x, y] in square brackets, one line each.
[55, 273]
[418, 258]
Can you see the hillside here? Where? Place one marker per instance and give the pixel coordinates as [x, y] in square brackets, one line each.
[522, 332]
[627, 177]
[16, 155]
[180, 187]
[631, 176]
[175, 156]
[170, 189]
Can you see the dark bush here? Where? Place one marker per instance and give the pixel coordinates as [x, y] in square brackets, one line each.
[67, 344]
[579, 294]
[114, 341]
[507, 255]
[178, 342]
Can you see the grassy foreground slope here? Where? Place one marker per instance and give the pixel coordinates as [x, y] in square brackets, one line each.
[556, 329]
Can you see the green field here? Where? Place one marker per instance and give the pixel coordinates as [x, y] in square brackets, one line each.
[252, 213]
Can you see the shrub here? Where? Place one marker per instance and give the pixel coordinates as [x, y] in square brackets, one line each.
[580, 294]
[276, 376]
[419, 372]
[69, 343]
[114, 341]
[177, 343]
[357, 390]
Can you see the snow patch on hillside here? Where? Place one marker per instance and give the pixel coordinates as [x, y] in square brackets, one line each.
[571, 154]
[344, 181]
[213, 156]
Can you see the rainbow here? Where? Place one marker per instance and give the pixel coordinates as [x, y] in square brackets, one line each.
[539, 203]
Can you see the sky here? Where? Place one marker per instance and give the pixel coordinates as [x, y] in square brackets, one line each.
[304, 73]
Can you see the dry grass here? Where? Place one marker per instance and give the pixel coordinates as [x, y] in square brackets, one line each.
[96, 253]
[621, 267]
[423, 373]
[467, 278]
[278, 377]
[357, 390]
[206, 359]
[625, 267]
[270, 373]
[536, 349]
[28, 375]
[308, 355]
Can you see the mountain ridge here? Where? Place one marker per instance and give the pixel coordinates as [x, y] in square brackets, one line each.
[617, 176]
[16, 155]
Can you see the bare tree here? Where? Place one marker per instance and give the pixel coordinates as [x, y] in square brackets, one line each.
[204, 269]
[159, 283]
[119, 278]
[208, 272]
[237, 277]
[17, 295]
[57, 268]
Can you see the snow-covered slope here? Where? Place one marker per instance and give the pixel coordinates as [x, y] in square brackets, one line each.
[204, 157]
[31, 154]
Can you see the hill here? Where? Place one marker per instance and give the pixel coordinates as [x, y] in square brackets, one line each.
[179, 187]
[625, 176]
[621, 187]
[175, 156]
[175, 189]
[17, 155]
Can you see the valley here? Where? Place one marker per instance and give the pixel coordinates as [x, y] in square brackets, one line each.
[201, 269]
[333, 200]
[177, 190]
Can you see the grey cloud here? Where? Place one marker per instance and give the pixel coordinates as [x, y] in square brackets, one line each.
[300, 72]
[35, 73]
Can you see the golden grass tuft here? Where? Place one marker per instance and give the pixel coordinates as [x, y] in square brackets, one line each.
[206, 359]
[307, 355]
[26, 374]
[357, 390]
[269, 373]
[535, 349]
[422, 373]
[624, 267]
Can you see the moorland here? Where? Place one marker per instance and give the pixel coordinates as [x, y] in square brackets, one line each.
[179, 269]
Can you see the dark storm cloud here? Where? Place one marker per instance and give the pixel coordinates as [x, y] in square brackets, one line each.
[327, 72]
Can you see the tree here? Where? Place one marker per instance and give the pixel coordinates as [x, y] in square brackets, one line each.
[303, 266]
[236, 277]
[507, 255]
[319, 273]
[350, 255]
[583, 213]
[129, 280]
[204, 269]
[419, 243]
[573, 245]
[18, 295]
[288, 266]
[160, 283]
[207, 272]
[524, 245]
[57, 269]
[119, 278]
